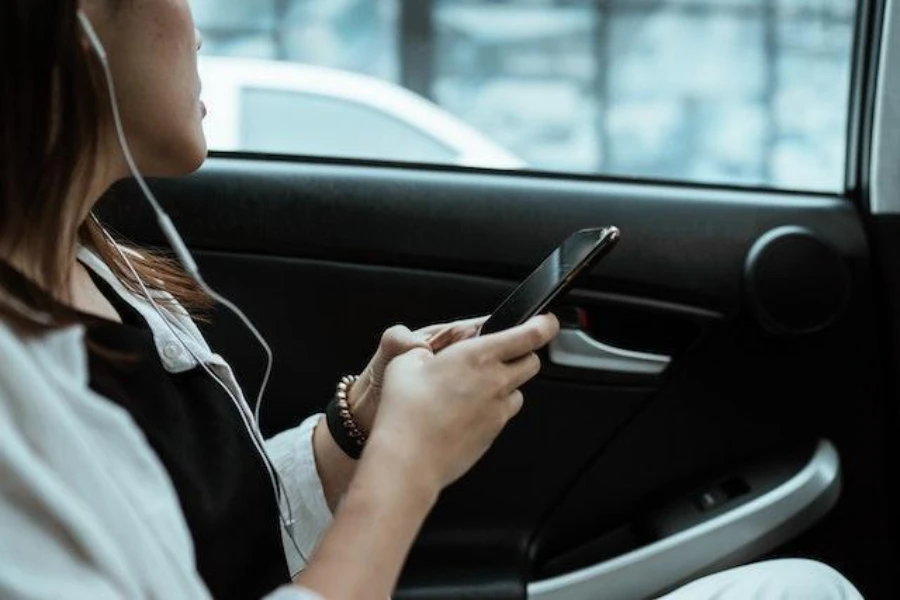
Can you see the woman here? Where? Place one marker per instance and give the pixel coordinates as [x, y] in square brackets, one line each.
[126, 469]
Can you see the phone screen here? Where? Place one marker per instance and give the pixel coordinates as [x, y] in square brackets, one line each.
[553, 277]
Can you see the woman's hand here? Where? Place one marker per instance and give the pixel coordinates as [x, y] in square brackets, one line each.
[439, 413]
[335, 468]
[366, 392]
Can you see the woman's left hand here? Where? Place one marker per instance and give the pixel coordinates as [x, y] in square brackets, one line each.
[366, 392]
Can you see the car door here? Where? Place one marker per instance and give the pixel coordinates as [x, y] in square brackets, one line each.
[723, 389]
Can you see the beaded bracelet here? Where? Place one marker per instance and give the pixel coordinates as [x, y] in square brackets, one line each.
[349, 436]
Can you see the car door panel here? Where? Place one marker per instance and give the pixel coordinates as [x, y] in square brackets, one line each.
[324, 255]
[749, 511]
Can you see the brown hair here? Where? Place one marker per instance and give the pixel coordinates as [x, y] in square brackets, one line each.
[52, 109]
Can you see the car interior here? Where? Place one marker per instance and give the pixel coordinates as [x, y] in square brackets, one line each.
[724, 389]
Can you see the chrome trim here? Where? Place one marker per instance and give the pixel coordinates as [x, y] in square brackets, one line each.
[575, 348]
[885, 176]
[732, 538]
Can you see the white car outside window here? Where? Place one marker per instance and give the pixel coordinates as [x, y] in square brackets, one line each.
[288, 108]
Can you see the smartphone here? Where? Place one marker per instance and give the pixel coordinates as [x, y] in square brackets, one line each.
[553, 278]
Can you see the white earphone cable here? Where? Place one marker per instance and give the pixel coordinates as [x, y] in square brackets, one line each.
[247, 419]
[187, 261]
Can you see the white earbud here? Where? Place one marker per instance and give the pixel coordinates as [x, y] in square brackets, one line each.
[93, 38]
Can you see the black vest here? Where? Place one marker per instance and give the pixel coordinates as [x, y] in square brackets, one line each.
[197, 432]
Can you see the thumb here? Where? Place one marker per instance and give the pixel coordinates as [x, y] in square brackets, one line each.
[398, 340]
[395, 341]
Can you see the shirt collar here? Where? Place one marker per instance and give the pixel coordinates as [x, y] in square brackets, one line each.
[176, 337]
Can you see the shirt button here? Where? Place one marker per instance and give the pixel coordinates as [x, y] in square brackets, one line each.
[172, 351]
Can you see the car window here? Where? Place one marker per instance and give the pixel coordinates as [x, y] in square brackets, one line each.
[740, 92]
[323, 125]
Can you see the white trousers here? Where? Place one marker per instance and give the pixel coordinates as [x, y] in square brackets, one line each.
[771, 580]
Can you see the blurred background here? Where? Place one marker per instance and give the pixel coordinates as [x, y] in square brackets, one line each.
[746, 92]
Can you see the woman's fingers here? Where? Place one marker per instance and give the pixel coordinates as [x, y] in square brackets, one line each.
[441, 338]
[443, 335]
[438, 327]
[522, 371]
[516, 342]
[457, 325]
[513, 404]
[394, 341]
[433, 329]
[399, 339]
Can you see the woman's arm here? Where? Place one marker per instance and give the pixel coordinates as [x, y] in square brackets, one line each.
[334, 467]
[438, 415]
[363, 551]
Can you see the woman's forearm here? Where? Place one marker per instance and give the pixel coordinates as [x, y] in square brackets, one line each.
[362, 552]
[335, 468]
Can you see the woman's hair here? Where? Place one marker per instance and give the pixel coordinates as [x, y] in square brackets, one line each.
[52, 109]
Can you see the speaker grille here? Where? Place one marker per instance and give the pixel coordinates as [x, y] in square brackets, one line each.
[796, 282]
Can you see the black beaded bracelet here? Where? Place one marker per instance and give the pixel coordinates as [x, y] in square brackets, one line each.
[348, 435]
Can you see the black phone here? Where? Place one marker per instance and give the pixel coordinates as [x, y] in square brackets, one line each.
[553, 278]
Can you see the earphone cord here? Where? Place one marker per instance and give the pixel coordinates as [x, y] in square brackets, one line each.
[251, 426]
[190, 266]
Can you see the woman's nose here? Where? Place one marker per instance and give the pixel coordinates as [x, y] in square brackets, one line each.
[199, 38]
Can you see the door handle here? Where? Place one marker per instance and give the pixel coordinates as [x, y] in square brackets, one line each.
[575, 348]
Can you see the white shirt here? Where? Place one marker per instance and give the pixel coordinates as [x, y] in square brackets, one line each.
[86, 508]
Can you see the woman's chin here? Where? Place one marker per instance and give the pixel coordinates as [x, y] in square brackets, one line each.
[187, 160]
[198, 160]
[199, 151]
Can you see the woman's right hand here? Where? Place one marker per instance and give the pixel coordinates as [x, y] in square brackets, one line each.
[440, 413]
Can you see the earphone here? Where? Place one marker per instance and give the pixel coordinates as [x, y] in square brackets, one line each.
[251, 422]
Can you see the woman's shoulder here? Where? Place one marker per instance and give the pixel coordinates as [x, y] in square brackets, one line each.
[32, 322]
[58, 351]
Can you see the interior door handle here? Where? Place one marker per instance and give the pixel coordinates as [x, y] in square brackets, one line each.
[575, 348]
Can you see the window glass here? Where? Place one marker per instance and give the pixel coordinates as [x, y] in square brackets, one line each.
[741, 92]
